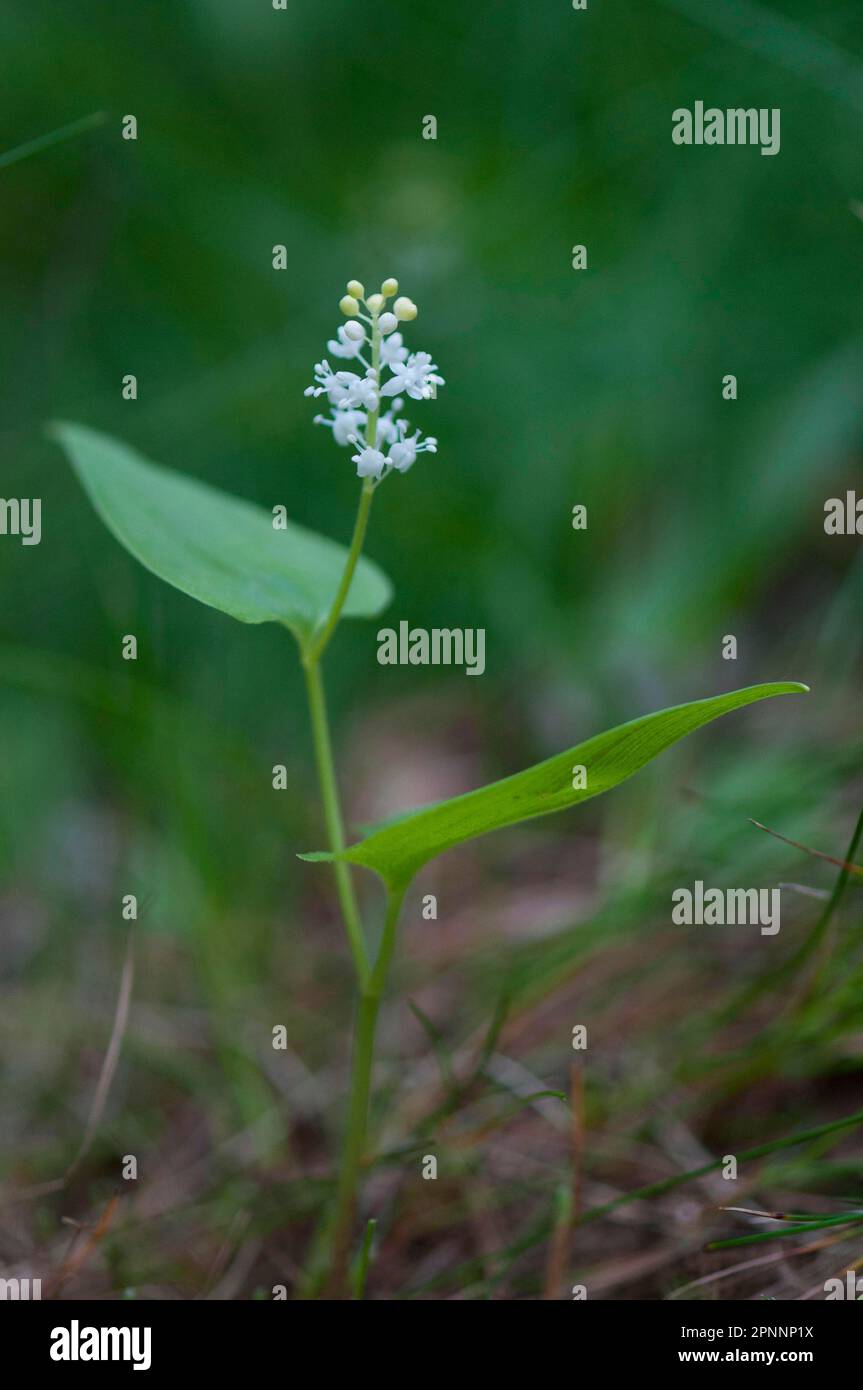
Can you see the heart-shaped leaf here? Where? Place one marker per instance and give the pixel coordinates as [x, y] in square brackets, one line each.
[219, 549]
[397, 850]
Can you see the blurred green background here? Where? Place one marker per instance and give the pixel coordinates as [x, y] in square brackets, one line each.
[600, 387]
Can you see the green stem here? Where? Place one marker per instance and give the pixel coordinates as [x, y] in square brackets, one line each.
[311, 659]
[368, 1006]
[333, 818]
[334, 1237]
[316, 647]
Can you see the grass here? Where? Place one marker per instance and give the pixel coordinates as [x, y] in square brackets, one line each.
[475, 1067]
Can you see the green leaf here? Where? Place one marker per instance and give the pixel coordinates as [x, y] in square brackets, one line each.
[217, 548]
[401, 847]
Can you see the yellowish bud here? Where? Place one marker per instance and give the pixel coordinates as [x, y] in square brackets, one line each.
[375, 303]
[356, 289]
[389, 288]
[405, 309]
[349, 306]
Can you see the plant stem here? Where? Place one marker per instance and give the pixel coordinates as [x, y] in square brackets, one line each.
[311, 658]
[316, 647]
[335, 1236]
[368, 1006]
[333, 818]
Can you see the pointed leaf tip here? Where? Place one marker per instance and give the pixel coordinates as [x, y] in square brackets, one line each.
[398, 849]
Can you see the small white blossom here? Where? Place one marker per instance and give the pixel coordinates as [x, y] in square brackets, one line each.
[343, 345]
[327, 383]
[414, 378]
[345, 424]
[370, 462]
[345, 390]
[388, 426]
[403, 453]
[393, 350]
[363, 391]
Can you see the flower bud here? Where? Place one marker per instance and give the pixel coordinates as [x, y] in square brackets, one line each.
[405, 309]
[387, 322]
[375, 303]
[389, 288]
[355, 332]
[356, 289]
[349, 306]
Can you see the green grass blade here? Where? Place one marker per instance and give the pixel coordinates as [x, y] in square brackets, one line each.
[657, 1189]
[361, 1269]
[438, 1042]
[852, 1219]
[54, 137]
[542, 1228]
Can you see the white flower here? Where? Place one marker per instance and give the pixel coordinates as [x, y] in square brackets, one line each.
[370, 462]
[345, 390]
[336, 386]
[344, 424]
[388, 426]
[393, 350]
[361, 391]
[344, 345]
[415, 378]
[403, 453]
[324, 375]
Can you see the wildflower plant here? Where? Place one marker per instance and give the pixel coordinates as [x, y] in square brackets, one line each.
[233, 556]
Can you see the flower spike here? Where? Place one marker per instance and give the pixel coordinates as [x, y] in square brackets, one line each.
[383, 444]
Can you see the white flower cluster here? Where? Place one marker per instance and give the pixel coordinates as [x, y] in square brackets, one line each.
[384, 444]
